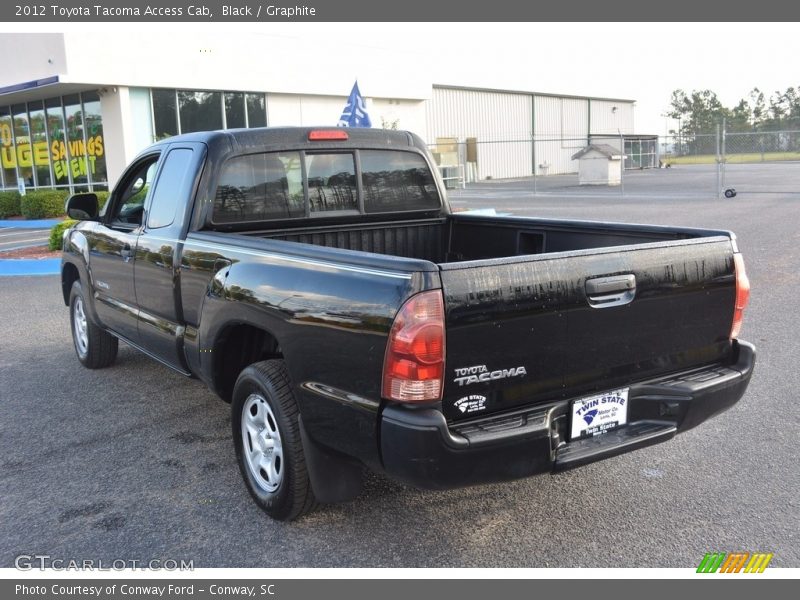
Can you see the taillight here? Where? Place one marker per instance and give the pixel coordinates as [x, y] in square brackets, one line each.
[413, 368]
[742, 295]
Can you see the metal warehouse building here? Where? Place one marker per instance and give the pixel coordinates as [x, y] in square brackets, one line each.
[74, 109]
[520, 133]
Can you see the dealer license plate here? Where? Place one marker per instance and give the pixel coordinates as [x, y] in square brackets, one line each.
[598, 414]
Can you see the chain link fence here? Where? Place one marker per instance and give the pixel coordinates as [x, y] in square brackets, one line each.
[766, 162]
[690, 165]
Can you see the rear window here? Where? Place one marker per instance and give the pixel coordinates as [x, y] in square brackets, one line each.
[331, 182]
[260, 187]
[270, 186]
[396, 181]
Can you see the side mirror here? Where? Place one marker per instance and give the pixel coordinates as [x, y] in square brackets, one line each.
[82, 207]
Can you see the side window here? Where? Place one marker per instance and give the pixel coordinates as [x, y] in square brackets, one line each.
[396, 181]
[172, 188]
[331, 182]
[260, 187]
[129, 206]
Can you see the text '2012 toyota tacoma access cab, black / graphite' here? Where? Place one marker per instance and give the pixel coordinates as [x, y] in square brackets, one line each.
[318, 281]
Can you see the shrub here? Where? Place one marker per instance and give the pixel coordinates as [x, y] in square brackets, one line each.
[102, 198]
[9, 204]
[41, 204]
[57, 233]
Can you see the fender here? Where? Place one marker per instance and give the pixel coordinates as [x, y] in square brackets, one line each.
[75, 252]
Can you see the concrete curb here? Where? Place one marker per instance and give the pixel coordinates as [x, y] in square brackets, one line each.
[10, 267]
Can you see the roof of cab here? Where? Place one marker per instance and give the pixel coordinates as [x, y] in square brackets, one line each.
[270, 137]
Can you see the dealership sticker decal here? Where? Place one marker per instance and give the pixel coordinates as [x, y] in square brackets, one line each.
[471, 404]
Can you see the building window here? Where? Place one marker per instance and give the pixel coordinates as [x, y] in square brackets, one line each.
[44, 147]
[22, 140]
[8, 151]
[58, 141]
[641, 153]
[39, 147]
[234, 110]
[165, 113]
[185, 111]
[78, 163]
[200, 111]
[95, 144]
[256, 110]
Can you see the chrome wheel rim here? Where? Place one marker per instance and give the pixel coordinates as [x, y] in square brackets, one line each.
[261, 443]
[80, 327]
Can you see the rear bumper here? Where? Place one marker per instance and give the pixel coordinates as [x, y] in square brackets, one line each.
[418, 446]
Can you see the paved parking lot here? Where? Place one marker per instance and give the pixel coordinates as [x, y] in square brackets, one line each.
[687, 181]
[136, 462]
[14, 238]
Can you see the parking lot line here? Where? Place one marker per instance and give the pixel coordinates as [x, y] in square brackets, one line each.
[33, 239]
[16, 239]
[5, 233]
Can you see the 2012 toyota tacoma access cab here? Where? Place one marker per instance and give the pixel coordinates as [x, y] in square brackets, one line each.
[317, 280]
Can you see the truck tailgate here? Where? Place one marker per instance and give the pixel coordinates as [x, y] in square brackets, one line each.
[530, 329]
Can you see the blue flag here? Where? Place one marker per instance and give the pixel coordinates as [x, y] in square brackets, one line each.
[355, 111]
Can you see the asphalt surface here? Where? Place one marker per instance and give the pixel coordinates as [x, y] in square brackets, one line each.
[678, 181]
[13, 238]
[136, 462]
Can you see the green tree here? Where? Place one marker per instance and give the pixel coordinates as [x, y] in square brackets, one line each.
[699, 114]
[741, 116]
[758, 108]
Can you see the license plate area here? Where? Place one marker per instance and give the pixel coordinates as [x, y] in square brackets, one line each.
[597, 414]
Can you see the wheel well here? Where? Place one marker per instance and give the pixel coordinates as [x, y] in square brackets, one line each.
[237, 347]
[69, 275]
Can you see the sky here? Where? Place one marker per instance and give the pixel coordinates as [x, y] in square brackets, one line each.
[640, 61]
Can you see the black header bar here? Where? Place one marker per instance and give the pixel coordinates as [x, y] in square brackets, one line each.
[250, 11]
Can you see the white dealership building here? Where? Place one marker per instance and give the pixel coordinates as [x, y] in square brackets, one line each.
[75, 108]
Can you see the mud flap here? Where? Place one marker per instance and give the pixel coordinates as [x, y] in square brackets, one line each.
[334, 477]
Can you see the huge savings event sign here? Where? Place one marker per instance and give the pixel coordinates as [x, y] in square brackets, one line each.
[73, 156]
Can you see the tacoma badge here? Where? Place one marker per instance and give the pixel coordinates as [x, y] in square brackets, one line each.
[469, 375]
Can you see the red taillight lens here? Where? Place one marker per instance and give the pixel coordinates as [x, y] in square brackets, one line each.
[742, 295]
[327, 135]
[413, 369]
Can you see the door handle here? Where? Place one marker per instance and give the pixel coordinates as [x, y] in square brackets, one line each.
[605, 292]
[126, 252]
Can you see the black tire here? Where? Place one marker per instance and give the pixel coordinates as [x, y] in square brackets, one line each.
[264, 390]
[95, 347]
[730, 193]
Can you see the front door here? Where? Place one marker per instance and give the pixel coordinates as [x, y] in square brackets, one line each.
[113, 249]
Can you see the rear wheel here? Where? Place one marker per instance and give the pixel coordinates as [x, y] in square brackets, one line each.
[266, 435]
[95, 348]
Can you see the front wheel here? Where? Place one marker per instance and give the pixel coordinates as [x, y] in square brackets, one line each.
[95, 348]
[266, 436]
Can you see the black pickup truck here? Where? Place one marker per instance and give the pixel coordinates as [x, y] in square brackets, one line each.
[318, 281]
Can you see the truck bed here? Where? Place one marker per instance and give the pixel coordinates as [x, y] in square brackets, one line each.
[544, 296]
[459, 238]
